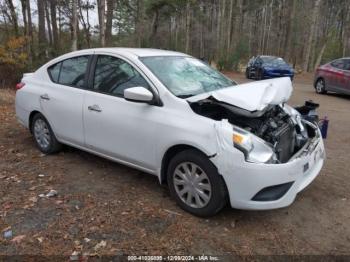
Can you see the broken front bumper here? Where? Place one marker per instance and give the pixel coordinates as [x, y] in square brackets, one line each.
[269, 186]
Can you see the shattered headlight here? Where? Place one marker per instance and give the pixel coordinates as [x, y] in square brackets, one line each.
[254, 148]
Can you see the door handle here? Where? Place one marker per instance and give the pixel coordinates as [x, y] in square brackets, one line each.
[45, 97]
[95, 108]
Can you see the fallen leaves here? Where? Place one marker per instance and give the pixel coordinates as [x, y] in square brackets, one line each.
[18, 239]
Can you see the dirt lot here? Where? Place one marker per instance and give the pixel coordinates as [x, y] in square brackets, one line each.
[106, 208]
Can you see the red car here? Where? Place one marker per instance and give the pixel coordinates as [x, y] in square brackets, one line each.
[334, 76]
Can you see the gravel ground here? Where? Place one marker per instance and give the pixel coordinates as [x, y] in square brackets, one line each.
[103, 208]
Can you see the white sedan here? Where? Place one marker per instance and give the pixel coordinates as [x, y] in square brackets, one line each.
[168, 114]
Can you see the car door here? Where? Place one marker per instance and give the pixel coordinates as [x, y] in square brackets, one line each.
[336, 76]
[347, 76]
[115, 127]
[63, 98]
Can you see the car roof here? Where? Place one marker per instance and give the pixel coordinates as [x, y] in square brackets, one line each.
[267, 56]
[138, 52]
[131, 53]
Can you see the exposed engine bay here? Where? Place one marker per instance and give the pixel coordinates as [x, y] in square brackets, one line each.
[285, 133]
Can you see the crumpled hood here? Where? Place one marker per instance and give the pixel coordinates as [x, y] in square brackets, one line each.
[254, 96]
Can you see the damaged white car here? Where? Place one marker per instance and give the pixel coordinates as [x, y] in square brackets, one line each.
[168, 114]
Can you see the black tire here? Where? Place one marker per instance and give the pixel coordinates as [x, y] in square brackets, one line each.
[259, 75]
[218, 198]
[320, 86]
[53, 145]
[247, 75]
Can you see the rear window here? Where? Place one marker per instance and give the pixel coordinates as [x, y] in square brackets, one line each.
[70, 72]
[338, 64]
[347, 64]
[54, 72]
[73, 71]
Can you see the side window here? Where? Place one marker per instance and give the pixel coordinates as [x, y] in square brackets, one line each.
[347, 64]
[258, 62]
[114, 75]
[339, 64]
[54, 71]
[73, 71]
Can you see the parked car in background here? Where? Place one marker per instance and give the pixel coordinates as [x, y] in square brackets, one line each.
[262, 67]
[171, 115]
[333, 76]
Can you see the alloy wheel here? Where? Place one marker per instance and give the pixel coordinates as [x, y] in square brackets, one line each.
[320, 86]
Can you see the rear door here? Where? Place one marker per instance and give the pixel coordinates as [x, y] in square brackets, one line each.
[335, 80]
[62, 101]
[347, 76]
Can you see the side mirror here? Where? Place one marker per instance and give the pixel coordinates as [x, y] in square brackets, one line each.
[138, 94]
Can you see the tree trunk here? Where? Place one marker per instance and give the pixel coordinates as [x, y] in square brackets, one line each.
[287, 50]
[42, 33]
[26, 31]
[154, 27]
[140, 22]
[109, 20]
[311, 35]
[53, 5]
[86, 24]
[238, 22]
[14, 19]
[269, 27]
[30, 33]
[320, 55]
[188, 27]
[24, 15]
[346, 35]
[59, 20]
[47, 15]
[218, 27]
[101, 19]
[74, 25]
[229, 27]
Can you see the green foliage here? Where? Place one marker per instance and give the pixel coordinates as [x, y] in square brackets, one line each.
[222, 63]
[232, 61]
[333, 50]
[169, 5]
[241, 52]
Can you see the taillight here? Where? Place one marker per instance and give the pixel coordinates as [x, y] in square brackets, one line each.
[20, 85]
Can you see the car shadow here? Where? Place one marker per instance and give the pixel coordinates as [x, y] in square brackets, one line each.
[107, 174]
[343, 96]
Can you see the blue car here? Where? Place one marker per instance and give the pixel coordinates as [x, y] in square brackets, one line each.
[262, 67]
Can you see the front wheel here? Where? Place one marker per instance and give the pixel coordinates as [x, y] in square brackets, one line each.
[195, 184]
[320, 86]
[247, 74]
[259, 75]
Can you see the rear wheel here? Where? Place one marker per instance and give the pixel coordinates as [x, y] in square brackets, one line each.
[195, 184]
[44, 137]
[320, 86]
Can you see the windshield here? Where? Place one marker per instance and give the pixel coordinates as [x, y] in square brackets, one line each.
[186, 76]
[274, 61]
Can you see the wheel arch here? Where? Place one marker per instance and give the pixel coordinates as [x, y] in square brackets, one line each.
[31, 116]
[317, 79]
[169, 154]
